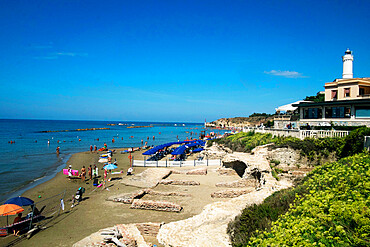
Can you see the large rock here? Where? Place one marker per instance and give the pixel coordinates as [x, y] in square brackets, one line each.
[209, 228]
[148, 178]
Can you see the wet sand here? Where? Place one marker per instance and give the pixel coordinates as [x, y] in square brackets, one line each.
[95, 212]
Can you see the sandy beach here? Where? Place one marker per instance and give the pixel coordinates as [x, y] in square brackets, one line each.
[95, 212]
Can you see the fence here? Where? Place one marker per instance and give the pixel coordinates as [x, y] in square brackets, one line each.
[322, 133]
[144, 163]
[300, 133]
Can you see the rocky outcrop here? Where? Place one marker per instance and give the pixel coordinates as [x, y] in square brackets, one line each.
[289, 159]
[209, 228]
[215, 151]
[241, 121]
[155, 205]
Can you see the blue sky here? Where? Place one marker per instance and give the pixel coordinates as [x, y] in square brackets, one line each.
[172, 60]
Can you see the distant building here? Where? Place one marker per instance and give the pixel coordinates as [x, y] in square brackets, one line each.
[347, 101]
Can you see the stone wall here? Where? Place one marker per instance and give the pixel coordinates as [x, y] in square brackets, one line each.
[179, 182]
[231, 193]
[223, 171]
[155, 205]
[149, 228]
[238, 183]
[198, 171]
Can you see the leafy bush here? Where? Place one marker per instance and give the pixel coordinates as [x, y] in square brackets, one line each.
[245, 141]
[333, 212]
[354, 142]
[261, 216]
[330, 207]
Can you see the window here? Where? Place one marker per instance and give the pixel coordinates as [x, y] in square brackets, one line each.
[363, 112]
[312, 113]
[338, 112]
[347, 92]
[334, 94]
[362, 91]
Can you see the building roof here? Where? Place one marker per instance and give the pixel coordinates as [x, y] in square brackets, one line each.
[337, 102]
[290, 107]
[336, 82]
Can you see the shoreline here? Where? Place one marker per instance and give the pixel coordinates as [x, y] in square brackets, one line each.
[95, 212]
[38, 181]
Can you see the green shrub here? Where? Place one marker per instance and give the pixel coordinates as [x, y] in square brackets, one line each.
[354, 142]
[260, 216]
[329, 207]
[276, 162]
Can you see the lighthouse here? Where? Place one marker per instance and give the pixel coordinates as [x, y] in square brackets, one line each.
[347, 65]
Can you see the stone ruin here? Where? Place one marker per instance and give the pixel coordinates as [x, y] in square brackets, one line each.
[130, 235]
[128, 198]
[231, 193]
[199, 171]
[156, 205]
[223, 171]
[179, 182]
[241, 183]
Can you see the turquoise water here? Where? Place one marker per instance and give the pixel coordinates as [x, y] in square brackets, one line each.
[31, 160]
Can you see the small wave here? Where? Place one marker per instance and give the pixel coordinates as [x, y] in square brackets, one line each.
[5, 172]
[37, 179]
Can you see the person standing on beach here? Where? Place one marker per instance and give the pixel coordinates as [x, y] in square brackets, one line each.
[83, 173]
[105, 177]
[89, 170]
[95, 148]
[94, 171]
[91, 148]
[58, 150]
[69, 172]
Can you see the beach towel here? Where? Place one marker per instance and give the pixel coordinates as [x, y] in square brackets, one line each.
[74, 172]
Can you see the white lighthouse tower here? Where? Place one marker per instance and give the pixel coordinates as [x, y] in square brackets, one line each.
[347, 65]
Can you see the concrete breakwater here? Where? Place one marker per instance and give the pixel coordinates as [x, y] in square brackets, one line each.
[87, 129]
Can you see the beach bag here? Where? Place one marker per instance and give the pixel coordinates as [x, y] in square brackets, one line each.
[96, 182]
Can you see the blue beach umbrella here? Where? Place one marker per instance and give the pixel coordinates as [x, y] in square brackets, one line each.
[110, 167]
[20, 201]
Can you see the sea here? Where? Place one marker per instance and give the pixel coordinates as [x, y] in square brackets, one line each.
[28, 148]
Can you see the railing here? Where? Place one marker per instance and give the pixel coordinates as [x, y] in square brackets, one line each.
[322, 133]
[300, 133]
[166, 163]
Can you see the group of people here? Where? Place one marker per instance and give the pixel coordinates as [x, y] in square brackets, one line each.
[91, 171]
[95, 148]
